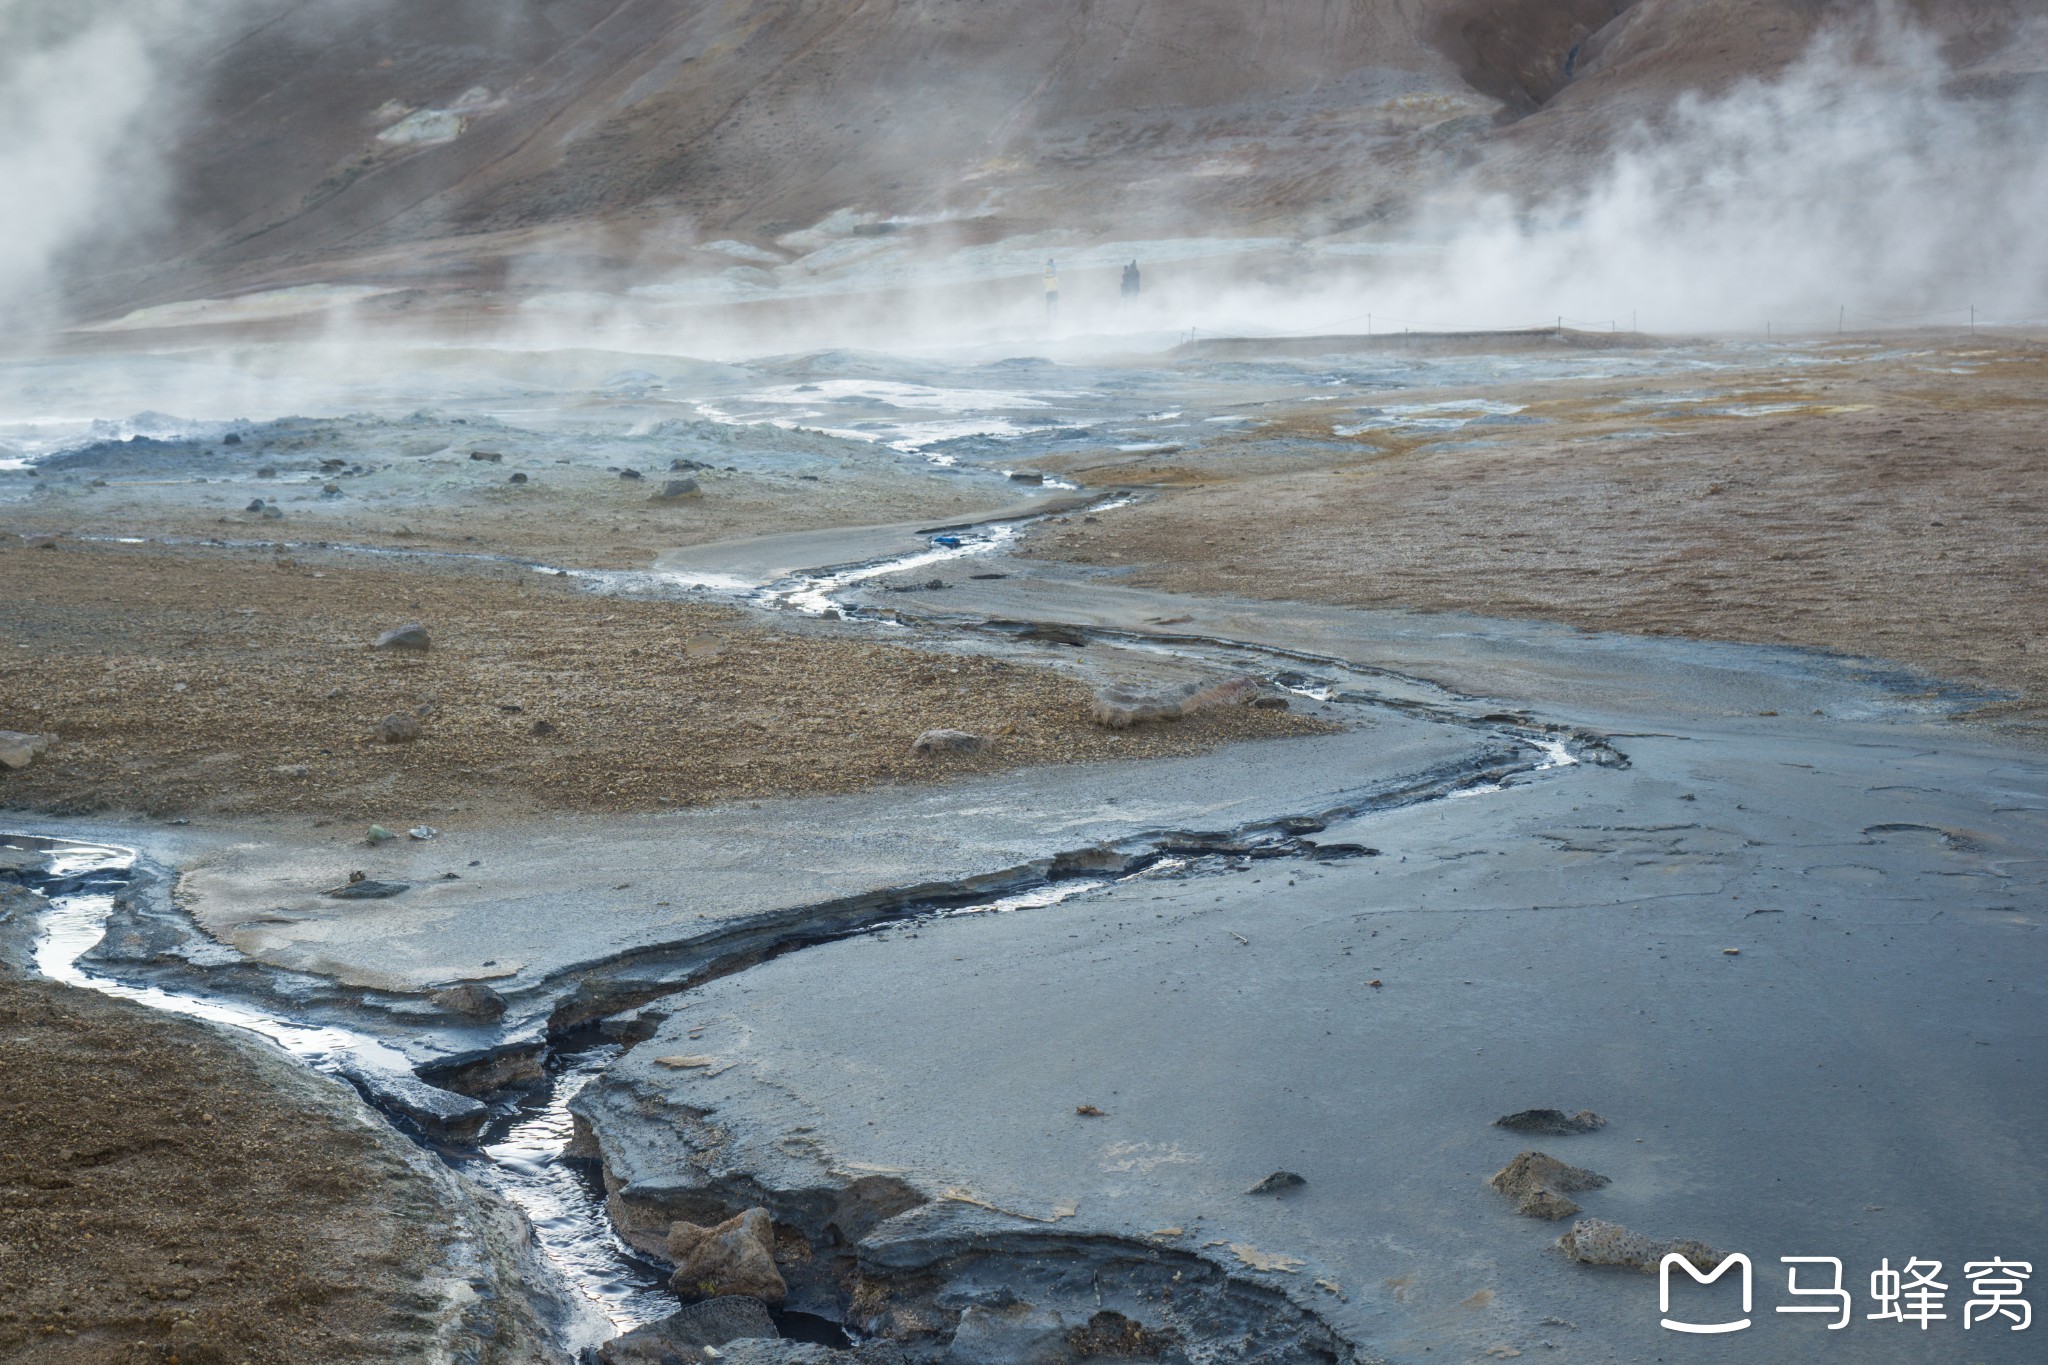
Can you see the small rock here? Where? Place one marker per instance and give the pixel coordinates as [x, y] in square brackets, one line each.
[933, 742]
[400, 727]
[268, 471]
[632, 475]
[471, 1000]
[517, 478]
[1270, 703]
[255, 505]
[542, 728]
[367, 889]
[233, 438]
[1026, 476]
[292, 770]
[18, 750]
[422, 832]
[1546, 1205]
[1277, 1183]
[379, 835]
[676, 488]
[1592, 1241]
[487, 456]
[935, 584]
[1551, 1122]
[983, 577]
[410, 636]
[684, 466]
[331, 490]
[1535, 1170]
[272, 512]
[735, 1257]
[1538, 1183]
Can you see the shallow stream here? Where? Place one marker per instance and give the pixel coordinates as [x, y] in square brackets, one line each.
[521, 1154]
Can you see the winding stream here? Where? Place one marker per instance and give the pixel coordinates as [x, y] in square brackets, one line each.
[521, 1154]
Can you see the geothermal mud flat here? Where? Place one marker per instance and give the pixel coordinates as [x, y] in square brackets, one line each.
[1002, 1055]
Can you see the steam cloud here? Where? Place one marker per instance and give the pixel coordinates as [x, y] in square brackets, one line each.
[74, 81]
[1855, 178]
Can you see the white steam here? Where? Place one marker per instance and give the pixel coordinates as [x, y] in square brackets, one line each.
[70, 102]
[1855, 179]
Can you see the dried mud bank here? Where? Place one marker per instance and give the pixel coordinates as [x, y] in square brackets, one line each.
[175, 1189]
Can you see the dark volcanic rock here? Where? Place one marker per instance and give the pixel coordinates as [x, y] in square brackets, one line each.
[368, 890]
[714, 1322]
[1551, 1122]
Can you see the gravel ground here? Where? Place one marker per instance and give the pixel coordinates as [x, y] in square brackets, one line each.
[194, 681]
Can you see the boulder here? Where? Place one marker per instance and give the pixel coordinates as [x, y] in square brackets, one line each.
[1278, 1183]
[1122, 705]
[400, 727]
[933, 742]
[487, 456]
[412, 635]
[735, 1257]
[632, 475]
[516, 478]
[677, 488]
[714, 1322]
[19, 749]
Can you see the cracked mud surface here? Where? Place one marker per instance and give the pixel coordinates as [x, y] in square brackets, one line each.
[1363, 1024]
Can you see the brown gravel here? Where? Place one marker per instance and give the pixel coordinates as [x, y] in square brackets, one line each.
[1900, 510]
[211, 681]
[166, 1195]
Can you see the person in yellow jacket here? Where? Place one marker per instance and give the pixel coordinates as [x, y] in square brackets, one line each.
[1052, 291]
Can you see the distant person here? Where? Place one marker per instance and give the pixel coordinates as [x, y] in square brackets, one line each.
[1131, 281]
[1052, 291]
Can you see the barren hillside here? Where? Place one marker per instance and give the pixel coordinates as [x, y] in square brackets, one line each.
[306, 139]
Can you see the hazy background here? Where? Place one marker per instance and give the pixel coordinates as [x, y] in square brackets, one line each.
[723, 176]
